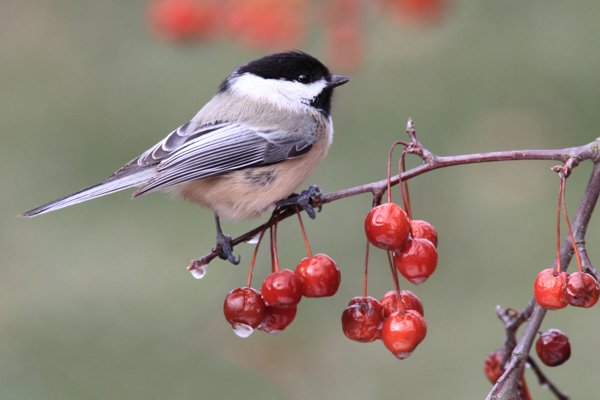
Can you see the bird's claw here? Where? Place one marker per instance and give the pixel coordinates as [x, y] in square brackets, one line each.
[225, 250]
[305, 200]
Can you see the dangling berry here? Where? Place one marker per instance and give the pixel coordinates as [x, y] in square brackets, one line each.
[277, 319]
[401, 333]
[282, 289]
[553, 347]
[387, 226]
[320, 276]
[581, 290]
[423, 230]
[410, 301]
[362, 319]
[493, 365]
[548, 289]
[244, 309]
[417, 261]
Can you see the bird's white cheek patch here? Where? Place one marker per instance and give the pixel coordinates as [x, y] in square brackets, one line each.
[284, 94]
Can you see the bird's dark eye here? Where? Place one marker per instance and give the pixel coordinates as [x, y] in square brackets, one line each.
[303, 78]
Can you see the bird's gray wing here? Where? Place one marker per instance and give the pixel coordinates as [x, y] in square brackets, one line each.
[194, 152]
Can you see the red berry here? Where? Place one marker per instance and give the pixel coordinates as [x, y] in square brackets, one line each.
[185, 19]
[362, 319]
[282, 289]
[244, 309]
[423, 230]
[417, 261]
[417, 11]
[553, 347]
[277, 319]
[389, 302]
[548, 289]
[401, 333]
[267, 24]
[387, 226]
[581, 290]
[493, 365]
[320, 276]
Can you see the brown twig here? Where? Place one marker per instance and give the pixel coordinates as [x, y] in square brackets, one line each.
[544, 381]
[590, 151]
[507, 387]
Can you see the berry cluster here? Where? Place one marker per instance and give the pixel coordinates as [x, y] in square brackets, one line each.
[412, 250]
[554, 289]
[552, 347]
[258, 23]
[272, 308]
[413, 243]
[276, 24]
[399, 324]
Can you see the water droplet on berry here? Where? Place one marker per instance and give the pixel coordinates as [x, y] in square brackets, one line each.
[242, 330]
[198, 272]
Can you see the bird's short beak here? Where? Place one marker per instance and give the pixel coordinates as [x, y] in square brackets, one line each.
[337, 80]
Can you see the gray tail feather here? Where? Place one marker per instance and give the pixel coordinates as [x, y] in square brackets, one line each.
[108, 186]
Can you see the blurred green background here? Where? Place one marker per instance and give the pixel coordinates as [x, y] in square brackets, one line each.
[95, 300]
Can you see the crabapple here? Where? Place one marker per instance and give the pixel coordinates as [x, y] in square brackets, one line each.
[387, 226]
[417, 261]
[581, 290]
[362, 319]
[320, 276]
[548, 289]
[282, 289]
[401, 333]
[553, 347]
[244, 309]
[410, 301]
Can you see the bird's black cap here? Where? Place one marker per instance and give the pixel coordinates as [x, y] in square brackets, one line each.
[288, 65]
[293, 66]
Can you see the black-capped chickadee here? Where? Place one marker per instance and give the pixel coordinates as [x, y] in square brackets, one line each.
[251, 145]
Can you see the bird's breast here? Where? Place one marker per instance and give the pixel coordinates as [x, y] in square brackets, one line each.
[253, 191]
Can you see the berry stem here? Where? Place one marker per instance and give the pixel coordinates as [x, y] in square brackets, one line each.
[254, 257]
[404, 185]
[389, 170]
[396, 281]
[526, 394]
[275, 260]
[271, 243]
[560, 192]
[409, 209]
[564, 204]
[366, 268]
[303, 233]
[433, 162]
[544, 381]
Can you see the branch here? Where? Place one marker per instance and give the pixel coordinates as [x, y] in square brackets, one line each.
[590, 151]
[506, 386]
[545, 382]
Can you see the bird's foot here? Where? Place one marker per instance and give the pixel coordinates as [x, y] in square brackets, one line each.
[307, 200]
[224, 248]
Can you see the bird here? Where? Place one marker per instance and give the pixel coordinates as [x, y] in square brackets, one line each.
[252, 145]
